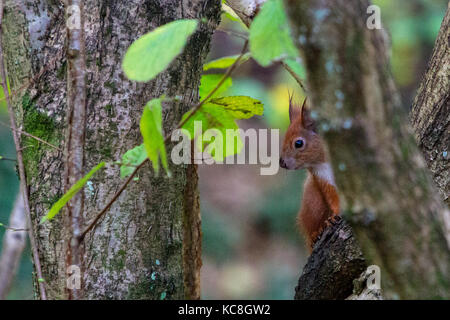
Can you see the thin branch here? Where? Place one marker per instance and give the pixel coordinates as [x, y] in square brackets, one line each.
[34, 249]
[233, 33]
[13, 229]
[7, 159]
[31, 136]
[294, 75]
[247, 18]
[166, 140]
[76, 104]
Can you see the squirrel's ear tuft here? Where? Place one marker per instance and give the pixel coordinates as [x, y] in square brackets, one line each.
[307, 121]
[294, 111]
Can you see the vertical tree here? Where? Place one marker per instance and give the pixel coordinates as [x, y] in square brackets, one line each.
[430, 115]
[148, 245]
[388, 195]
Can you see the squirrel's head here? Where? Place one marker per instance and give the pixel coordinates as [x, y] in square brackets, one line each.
[302, 146]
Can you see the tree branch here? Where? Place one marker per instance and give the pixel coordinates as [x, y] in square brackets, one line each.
[22, 175]
[76, 118]
[335, 262]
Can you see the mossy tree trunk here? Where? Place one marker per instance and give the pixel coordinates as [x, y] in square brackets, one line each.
[137, 250]
[387, 193]
[430, 115]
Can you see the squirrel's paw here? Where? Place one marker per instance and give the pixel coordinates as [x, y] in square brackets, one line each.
[333, 220]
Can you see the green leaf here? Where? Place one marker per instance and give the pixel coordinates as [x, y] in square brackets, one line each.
[151, 130]
[213, 117]
[209, 81]
[229, 13]
[270, 38]
[131, 159]
[240, 107]
[153, 52]
[225, 62]
[54, 210]
[297, 66]
[220, 114]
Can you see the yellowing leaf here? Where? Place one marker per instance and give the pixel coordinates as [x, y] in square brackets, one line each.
[225, 62]
[153, 52]
[220, 114]
[240, 107]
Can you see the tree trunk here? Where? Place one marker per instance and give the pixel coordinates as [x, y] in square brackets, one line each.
[137, 250]
[430, 114]
[387, 194]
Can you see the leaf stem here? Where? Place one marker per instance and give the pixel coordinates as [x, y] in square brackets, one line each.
[31, 136]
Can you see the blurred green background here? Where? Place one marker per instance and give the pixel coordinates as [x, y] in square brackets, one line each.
[251, 247]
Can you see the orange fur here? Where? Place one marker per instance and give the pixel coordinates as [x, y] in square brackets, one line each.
[320, 202]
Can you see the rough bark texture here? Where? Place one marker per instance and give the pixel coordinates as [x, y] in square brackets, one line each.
[430, 114]
[335, 262]
[386, 191]
[137, 250]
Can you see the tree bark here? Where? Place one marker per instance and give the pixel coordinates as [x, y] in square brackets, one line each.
[336, 261]
[387, 194]
[430, 114]
[137, 250]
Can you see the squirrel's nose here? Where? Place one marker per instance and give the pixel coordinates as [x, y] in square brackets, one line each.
[282, 163]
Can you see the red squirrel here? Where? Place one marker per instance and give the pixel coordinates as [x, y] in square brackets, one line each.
[303, 148]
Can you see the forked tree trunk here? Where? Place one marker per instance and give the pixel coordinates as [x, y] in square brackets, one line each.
[387, 194]
[137, 250]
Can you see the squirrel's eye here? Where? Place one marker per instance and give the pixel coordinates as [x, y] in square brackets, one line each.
[299, 143]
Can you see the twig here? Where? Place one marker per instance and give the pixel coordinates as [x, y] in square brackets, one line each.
[294, 75]
[76, 103]
[233, 33]
[13, 229]
[246, 18]
[31, 136]
[34, 249]
[7, 159]
[166, 140]
[225, 76]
